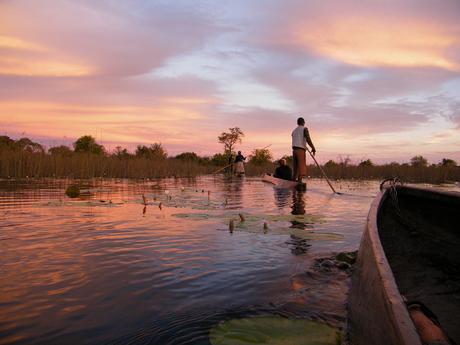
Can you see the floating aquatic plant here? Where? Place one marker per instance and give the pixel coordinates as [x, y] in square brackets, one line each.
[72, 191]
[273, 330]
[77, 203]
[305, 218]
[197, 216]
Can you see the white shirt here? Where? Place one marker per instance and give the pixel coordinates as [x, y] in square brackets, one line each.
[298, 137]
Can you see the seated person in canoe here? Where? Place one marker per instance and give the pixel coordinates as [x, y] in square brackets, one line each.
[283, 171]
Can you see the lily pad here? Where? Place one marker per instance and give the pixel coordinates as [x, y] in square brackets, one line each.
[72, 191]
[273, 330]
[316, 236]
[197, 216]
[305, 218]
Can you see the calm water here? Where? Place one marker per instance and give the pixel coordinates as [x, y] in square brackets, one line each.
[105, 269]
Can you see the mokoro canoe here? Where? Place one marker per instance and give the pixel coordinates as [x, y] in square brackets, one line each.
[280, 183]
[410, 250]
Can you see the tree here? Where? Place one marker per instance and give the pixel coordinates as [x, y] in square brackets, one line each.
[446, 162]
[219, 159]
[288, 159]
[345, 161]
[330, 164]
[121, 153]
[154, 151]
[188, 156]
[7, 143]
[88, 144]
[61, 150]
[25, 144]
[418, 161]
[260, 156]
[229, 139]
[366, 163]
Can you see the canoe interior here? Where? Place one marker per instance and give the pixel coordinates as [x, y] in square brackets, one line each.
[420, 235]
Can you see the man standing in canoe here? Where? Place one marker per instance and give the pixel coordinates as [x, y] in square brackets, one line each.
[239, 164]
[300, 139]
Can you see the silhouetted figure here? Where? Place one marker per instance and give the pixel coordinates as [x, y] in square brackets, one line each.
[300, 139]
[239, 163]
[283, 171]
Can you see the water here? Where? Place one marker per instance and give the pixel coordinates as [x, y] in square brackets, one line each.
[104, 268]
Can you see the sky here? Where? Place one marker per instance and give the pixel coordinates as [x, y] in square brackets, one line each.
[373, 79]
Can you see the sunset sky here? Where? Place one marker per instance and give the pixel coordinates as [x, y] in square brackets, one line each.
[373, 79]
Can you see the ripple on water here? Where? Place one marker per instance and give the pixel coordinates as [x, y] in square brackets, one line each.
[92, 271]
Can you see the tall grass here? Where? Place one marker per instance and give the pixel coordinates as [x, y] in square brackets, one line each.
[22, 164]
[407, 173]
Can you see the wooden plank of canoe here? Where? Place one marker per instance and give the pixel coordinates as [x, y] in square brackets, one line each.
[376, 310]
[280, 183]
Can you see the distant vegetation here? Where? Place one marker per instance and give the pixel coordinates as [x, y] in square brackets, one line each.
[86, 159]
[417, 170]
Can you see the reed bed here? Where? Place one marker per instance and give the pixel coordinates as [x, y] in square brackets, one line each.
[23, 164]
[407, 173]
[86, 165]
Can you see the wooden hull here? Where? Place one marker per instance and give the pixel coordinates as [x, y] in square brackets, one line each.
[280, 183]
[407, 248]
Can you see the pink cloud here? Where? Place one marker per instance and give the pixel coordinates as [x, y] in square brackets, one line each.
[71, 67]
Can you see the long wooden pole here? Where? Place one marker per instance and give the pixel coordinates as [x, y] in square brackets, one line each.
[266, 147]
[324, 174]
[215, 172]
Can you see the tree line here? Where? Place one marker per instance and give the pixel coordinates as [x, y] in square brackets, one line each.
[88, 158]
[87, 144]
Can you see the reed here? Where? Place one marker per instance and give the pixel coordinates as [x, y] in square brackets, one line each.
[407, 173]
[252, 169]
[23, 164]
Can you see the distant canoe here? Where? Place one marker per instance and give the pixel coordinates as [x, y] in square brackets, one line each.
[411, 248]
[280, 183]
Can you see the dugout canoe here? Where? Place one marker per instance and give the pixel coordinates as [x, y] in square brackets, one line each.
[281, 183]
[410, 250]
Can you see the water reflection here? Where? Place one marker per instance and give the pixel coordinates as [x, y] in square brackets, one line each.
[299, 245]
[298, 202]
[282, 197]
[233, 187]
[86, 271]
[298, 208]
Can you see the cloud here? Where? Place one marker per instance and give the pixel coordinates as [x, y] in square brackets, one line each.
[375, 33]
[108, 38]
[180, 72]
[402, 44]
